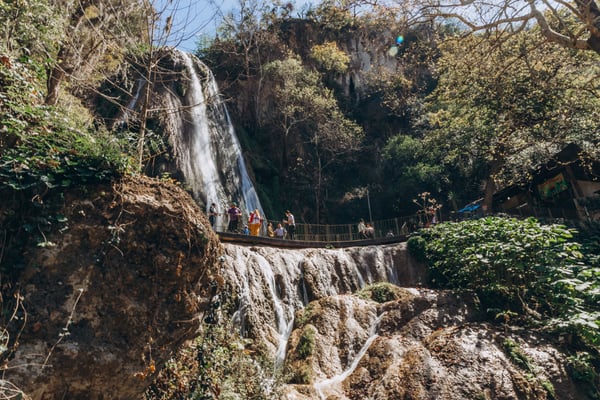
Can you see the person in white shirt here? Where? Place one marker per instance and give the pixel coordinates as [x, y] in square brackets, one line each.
[291, 224]
[280, 232]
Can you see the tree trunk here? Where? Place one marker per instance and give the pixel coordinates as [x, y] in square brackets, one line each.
[57, 75]
[490, 188]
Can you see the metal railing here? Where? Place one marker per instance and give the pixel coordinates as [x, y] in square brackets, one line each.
[399, 226]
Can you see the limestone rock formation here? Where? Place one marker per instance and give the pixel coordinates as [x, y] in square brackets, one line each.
[316, 311]
[105, 299]
[128, 273]
[423, 345]
[273, 283]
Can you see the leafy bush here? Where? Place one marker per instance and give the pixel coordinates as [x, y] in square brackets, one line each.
[581, 367]
[330, 57]
[416, 246]
[306, 344]
[380, 292]
[520, 265]
[45, 147]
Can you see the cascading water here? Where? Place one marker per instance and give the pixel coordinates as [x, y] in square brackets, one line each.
[329, 386]
[201, 135]
[272, 283]
[207, 148]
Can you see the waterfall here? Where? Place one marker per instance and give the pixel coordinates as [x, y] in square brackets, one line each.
[272, 284]
[269, 289]
[206, 147]
[202, 138]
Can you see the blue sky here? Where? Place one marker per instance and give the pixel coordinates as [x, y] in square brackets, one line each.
[194, 18]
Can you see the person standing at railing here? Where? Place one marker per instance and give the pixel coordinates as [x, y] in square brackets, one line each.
[291, 224]
[270, 231]
[254, 222]
[370, 231]
[212, 215]
[280, 232]
[234, 215]
[362, 229]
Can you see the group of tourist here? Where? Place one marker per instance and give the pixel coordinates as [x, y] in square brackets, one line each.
[365, 231]
[285, 230]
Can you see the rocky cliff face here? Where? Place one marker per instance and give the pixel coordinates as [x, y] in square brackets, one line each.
[338, 332]
[105, 299]
[422, 345]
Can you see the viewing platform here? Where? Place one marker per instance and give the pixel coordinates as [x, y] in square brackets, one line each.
[239, 238]
[329, 236]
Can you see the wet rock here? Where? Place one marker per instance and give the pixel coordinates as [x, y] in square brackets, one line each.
[121, 290]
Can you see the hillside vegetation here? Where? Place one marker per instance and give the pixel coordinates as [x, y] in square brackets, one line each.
[543, 277]
[442, 110]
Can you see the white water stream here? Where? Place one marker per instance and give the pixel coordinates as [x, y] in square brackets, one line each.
[210, 155]
[203, 140]
[331, 386]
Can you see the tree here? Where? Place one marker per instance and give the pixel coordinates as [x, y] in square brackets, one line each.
[574, 25]
[95, 36]
[513, 109]
[27, 28]
[308, 114]
[410, 168]
[246, 40]
[330, 58]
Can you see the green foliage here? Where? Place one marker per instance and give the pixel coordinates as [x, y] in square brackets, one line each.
[218, 363]
[306, 344]
[329, 57]
[381, 292]
[517, 356]
[410, 167]
[28, 26]
[307, 113]
[519, 265]
[548, 387]
[302, 375]
[334, 15]
[304, 315]
[581, 367]
[505, 104]
[416, 245]
[46, 147]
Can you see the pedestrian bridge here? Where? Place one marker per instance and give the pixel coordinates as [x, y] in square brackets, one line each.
[335, 236]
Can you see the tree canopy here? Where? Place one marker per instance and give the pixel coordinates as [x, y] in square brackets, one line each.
[574, 25]
[513, 108]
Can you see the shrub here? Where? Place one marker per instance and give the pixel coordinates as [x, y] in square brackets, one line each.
[536, 270]
[306, 344]
[581, 368]
[416, 246]
[380, 292]
[45, 147]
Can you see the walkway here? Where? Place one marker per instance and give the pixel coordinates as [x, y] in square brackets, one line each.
[300, 244]
[344, 235]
